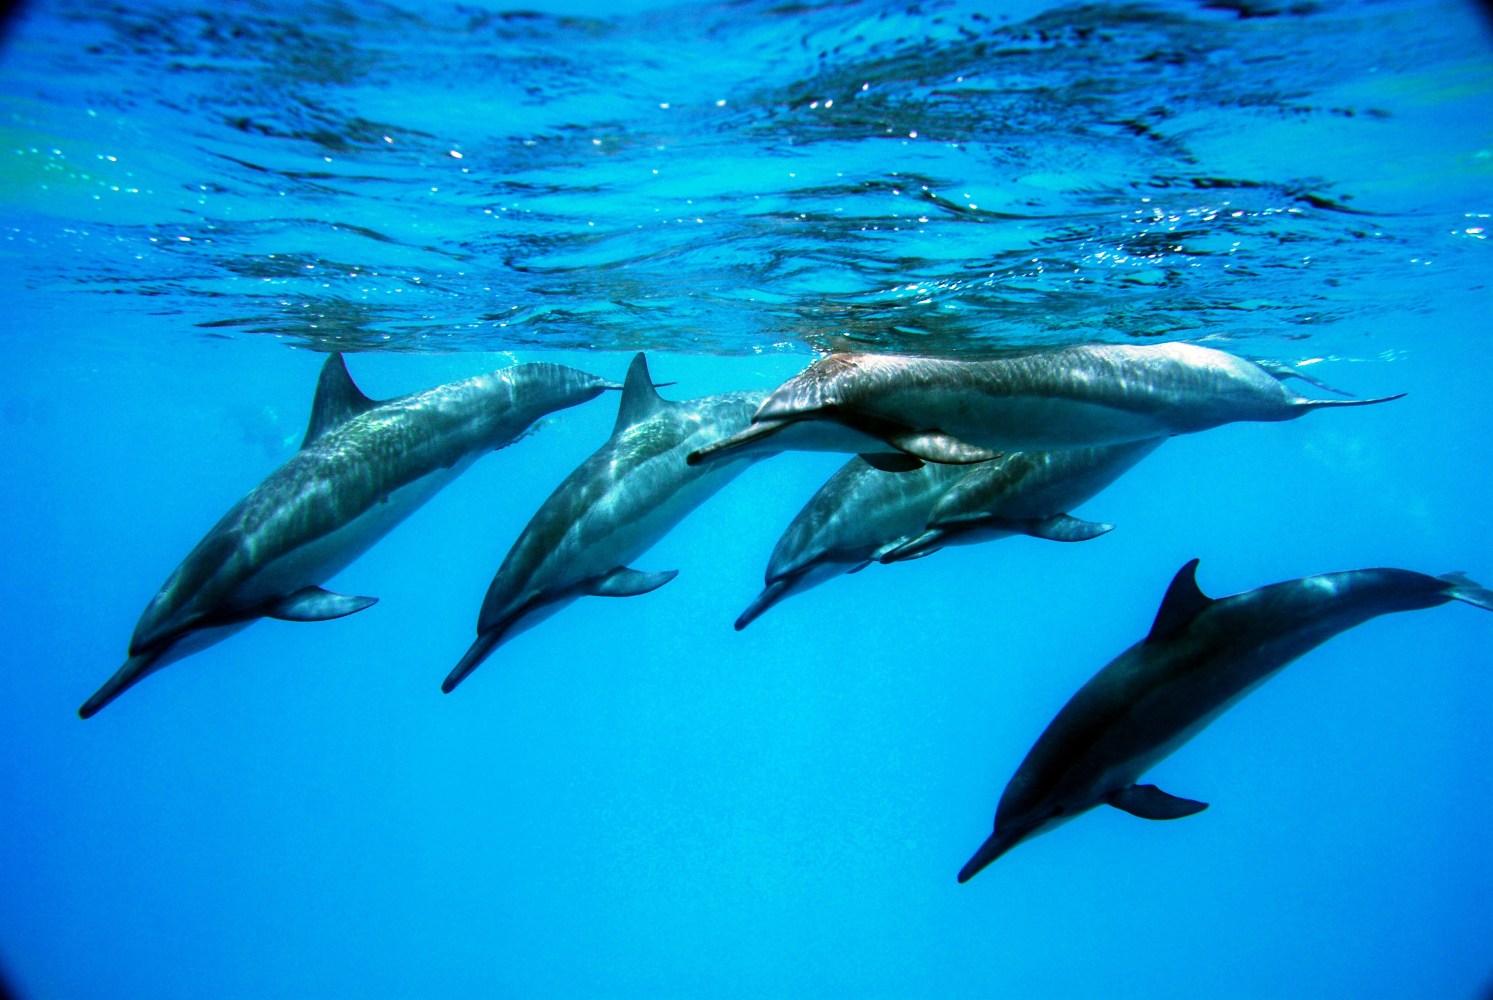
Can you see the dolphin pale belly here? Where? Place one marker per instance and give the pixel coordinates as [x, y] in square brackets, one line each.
[610, 510]
[361, 469]
[963, 411]
[1201, 656]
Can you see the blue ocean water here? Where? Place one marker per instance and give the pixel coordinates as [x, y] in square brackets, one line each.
[631, 798]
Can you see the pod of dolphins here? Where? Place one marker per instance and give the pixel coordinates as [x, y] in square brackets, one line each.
[945, 452]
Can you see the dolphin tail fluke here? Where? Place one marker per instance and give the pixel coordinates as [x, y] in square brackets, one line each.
[1317, 404]
[771, 594]
[135, 669]
[479, 651]
[995, 845]
[1468, 591]
[715, 449]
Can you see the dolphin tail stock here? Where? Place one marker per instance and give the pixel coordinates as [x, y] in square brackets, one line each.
[1305, 404]
[481, 649]
[1467, 590]
[771, 595]
[134, 670]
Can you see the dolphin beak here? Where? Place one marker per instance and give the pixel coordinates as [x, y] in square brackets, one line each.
[995, 845]
[135, 669]
[756, 432]
[479, 651]
[771, 594]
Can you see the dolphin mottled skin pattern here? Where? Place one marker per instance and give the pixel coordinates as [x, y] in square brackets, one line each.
[1026, 493]
[1201, 656]
[965, 411]
[610, 510]
[362, 468]
[856, 515]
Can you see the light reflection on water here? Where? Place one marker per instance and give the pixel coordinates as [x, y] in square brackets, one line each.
[725, 178]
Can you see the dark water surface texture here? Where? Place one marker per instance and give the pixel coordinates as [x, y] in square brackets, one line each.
[633, 799]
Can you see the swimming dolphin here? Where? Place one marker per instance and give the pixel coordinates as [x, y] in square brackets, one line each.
[1201, 656]
[610, 510]
[854, 517]
[1026, 493]
[965, 411]
[361, 469]
[864, 515]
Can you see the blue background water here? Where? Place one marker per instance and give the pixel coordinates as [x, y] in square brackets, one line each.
[632, 798]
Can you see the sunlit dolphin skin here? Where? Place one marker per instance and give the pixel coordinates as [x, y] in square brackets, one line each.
[963, 411]
[854, 517]
[362, 468]
[1023, 493]
[1201, 656]
[610, 510]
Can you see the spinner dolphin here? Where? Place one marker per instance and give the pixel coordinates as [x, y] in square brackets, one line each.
[361, 469]
[963, 411]
[1200, 657]
[609, 511]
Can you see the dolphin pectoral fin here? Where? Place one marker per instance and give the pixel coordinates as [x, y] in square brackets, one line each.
[1467, 590]
[1060, 528]
[858, 567]
[313, 604]
[939, 448]
[134, 670]
[1182, 603]
[905, 549]
[1150, 802]
[624, 582]
[1283, 371]
[886, 462]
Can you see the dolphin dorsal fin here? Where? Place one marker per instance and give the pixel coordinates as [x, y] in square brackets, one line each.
[338, 399]
[639, 399]
[1181, 604]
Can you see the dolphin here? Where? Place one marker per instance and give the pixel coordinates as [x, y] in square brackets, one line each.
[610, 510]
[855, 516]
[965, 411]
[362, 468]
[1027, 493]
[1201, 656]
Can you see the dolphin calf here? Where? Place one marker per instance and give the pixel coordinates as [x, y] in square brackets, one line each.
[361, 469]
[865, 515]
[964, 411]
[853, 518]
[1201, 656]
[1024, 492]
[610, 510]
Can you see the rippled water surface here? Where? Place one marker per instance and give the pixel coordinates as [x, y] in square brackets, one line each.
[727, 178]
[632, 799]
